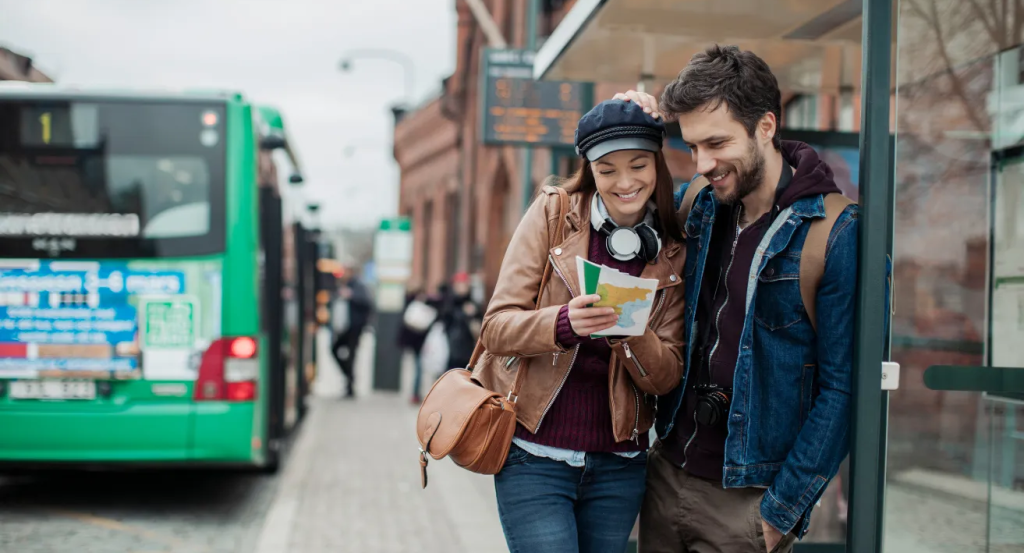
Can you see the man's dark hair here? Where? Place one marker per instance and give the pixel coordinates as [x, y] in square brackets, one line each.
[727, 75]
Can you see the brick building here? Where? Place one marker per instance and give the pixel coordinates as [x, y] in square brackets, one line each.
[464, 198]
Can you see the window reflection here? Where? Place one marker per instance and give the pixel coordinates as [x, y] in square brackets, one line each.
[959, 127]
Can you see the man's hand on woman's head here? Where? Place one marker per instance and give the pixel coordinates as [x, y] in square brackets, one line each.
[643, 99]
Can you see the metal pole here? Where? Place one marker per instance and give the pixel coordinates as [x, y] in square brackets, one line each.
[868, 437]
[487, 25]
[532, 7]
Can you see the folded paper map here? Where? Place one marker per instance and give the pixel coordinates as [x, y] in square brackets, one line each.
[631, 297]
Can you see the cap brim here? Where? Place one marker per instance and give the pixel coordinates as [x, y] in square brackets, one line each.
[624, 143]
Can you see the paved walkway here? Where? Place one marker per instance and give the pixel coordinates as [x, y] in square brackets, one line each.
[352, 483]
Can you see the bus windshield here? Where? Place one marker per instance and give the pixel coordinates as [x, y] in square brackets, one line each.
[125, 179]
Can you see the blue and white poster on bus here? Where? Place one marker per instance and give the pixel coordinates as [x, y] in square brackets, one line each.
[60, 318]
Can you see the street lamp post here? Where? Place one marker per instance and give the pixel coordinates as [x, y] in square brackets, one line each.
[386, 55]
[314, 210]
[387, 320]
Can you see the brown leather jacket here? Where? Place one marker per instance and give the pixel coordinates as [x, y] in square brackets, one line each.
[514, 333]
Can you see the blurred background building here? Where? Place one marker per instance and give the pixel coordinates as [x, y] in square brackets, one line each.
[465, 197]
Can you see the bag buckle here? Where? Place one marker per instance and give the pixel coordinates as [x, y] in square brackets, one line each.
[423, 468]
[511, 398]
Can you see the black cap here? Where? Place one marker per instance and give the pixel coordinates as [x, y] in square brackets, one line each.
[615, 125]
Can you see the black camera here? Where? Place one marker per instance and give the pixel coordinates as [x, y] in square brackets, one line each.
[712, 404]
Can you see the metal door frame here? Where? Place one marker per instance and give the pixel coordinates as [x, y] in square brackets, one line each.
[870, 403]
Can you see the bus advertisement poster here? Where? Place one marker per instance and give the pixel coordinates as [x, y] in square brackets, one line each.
[60, 319]
[168, 336]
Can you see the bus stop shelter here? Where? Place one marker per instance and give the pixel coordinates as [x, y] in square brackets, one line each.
[813, 46]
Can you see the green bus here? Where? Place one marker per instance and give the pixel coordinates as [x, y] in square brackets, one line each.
[155, 301]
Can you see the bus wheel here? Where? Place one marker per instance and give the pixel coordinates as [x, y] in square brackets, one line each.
[272, 464]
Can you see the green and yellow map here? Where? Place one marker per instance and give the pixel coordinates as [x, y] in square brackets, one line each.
[631, 297]
[625, 301]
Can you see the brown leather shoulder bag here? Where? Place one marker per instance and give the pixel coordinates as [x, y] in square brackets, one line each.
[461, 419]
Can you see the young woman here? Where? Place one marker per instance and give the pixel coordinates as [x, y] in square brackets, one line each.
[574, 478]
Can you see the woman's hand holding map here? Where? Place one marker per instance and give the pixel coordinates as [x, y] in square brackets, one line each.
[629, 297]
[590, 320]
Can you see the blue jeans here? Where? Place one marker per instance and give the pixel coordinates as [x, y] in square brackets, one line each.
[547, 506]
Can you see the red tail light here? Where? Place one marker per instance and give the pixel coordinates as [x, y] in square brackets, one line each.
[243, 348]
[241, 391]
[228, 371]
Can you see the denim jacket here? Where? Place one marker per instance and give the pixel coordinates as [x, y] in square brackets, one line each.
[788, 425]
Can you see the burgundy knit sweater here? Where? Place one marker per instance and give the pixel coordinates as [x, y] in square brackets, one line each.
[580, 418]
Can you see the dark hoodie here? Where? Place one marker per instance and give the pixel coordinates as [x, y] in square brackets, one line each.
[722, 301]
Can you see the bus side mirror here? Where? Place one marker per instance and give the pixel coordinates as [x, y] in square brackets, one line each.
[296, 178]
[272, 142]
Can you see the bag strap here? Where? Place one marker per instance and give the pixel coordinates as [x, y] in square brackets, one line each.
[695, 187]
[812, 258]
[563, 212]
[555, 239]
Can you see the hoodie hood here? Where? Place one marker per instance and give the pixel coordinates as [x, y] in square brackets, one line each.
[811, 176]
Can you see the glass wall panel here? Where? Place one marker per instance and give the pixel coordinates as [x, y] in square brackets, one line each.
[955, 473]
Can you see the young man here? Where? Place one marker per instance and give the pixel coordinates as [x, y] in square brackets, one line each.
[759, 426]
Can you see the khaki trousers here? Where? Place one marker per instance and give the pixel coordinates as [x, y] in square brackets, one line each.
[682, 513]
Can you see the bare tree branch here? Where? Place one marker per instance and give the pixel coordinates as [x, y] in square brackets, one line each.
[958, 85]
[993, 8]
[1018, 22]
[1003, 18]
[913, 6]
[980, 14]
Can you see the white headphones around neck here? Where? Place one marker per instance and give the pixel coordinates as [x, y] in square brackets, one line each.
[626, 243]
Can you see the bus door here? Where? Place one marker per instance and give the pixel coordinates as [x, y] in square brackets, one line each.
[272, 317]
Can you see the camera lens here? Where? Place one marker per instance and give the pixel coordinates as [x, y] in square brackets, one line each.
[712, 406]
[707, 413]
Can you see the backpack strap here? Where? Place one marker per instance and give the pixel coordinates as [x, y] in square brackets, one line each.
[812, 258]
[696, 185]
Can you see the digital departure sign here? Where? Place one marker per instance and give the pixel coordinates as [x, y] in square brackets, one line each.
[519, 110]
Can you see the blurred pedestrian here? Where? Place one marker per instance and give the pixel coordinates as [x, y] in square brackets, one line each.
[346, 342]
[419, 315]
[574, 476]
[459, 314]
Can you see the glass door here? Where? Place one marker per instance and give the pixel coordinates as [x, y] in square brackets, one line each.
[954, 462]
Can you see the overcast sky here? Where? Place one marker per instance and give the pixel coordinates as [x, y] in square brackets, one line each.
[280, 52]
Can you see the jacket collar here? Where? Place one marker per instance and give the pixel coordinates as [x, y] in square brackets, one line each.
[810, 207]
[576, 242]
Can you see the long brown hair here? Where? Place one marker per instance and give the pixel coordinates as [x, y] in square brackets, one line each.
[583, 181]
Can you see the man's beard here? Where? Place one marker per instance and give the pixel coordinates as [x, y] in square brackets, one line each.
[747, 180]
